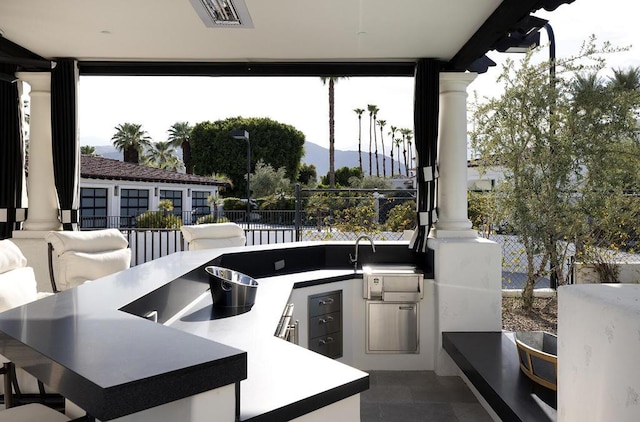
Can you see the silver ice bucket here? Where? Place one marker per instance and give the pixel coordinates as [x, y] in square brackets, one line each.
[230, 288]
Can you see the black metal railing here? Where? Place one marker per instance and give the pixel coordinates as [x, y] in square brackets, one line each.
[320, 214]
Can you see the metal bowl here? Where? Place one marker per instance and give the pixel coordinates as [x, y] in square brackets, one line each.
[230, 288]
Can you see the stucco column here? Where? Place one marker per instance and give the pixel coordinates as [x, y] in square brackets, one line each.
[41, 190]
[453, 220]
[467, 269]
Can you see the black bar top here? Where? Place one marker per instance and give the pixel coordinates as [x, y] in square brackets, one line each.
[490, 361]
[83, 345]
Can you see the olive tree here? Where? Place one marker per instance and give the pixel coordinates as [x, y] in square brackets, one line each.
[558, 146]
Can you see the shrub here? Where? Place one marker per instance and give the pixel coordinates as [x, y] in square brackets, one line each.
[234, 204]
[211, 218]
[158, 220]
[402, 217]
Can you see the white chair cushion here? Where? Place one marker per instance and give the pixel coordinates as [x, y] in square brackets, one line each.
[33, 412]
[216, 243]
[212, 231]
[75, 268]
[86, 241]
[17, 287]
[11, 256]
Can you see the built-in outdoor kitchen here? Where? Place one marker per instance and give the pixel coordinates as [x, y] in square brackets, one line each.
[150, 343]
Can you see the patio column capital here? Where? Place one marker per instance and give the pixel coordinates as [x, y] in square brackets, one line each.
[41, 190]
[452, 157]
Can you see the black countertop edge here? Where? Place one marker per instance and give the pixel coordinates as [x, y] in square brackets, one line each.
[327, 280]
[491, 365]
[174, 386]
[310, 404]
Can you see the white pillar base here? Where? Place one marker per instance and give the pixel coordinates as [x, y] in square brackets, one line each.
[468, 290]
[443, 233]
[598, 349]
[34, 248]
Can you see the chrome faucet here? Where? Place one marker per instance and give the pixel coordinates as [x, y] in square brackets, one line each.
[355, 259]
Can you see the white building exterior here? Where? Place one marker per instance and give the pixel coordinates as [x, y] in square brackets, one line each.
[112, 190]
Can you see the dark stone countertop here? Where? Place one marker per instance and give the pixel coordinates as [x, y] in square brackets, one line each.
[82, 344]
[490, 361]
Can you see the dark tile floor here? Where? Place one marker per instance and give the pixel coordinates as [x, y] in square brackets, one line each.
[413, 396]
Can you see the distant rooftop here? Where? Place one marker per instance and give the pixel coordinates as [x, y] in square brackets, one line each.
[105, 168]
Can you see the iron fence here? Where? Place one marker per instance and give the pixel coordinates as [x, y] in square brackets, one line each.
[320, 214]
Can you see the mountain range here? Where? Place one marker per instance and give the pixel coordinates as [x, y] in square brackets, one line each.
[313, 154]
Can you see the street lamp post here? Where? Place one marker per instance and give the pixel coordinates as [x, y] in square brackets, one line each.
[244, 135]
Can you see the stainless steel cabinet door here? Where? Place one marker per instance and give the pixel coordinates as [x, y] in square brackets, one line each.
[392, 327]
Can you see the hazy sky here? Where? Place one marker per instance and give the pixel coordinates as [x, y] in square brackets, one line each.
[158, 102]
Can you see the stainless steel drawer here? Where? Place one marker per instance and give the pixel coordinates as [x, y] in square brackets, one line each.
[325, 303]
[329, 345]
[392, 327]
[325, 324]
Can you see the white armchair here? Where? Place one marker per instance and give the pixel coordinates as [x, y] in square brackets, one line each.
[217, 235]
[79, 256]
[34, 412]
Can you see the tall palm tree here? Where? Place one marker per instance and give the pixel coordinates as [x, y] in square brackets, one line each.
[382, 124]
[410, 152]
[332, 153]
[392, 132]
[131, 140]
[373, 110]
[405, 132]
[359, 112]
[180, 136]
[163, 155]
[398, 142]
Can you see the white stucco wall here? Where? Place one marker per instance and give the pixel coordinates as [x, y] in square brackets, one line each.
[467, 290]
[598, 350]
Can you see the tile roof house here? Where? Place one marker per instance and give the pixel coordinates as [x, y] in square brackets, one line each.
[113, 192]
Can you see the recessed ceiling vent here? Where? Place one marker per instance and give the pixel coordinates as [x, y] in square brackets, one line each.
[223, 13]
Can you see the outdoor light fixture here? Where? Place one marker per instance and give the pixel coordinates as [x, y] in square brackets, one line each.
[244, 135]
[227, 13]
[116, 190]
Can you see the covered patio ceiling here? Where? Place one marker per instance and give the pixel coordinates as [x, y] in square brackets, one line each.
[112, 36]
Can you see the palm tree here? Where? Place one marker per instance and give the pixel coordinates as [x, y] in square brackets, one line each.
[627, 80]
[392, 132]
[405, 132]
[373, 110]
[382, 124]
[332, 153]
[180, 136]
[398, 141]
[411, 164]
[88, 150]
[359, 112]
[163, 155]
[131, 140]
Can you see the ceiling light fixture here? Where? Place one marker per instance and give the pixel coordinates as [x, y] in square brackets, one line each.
[226, 13]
